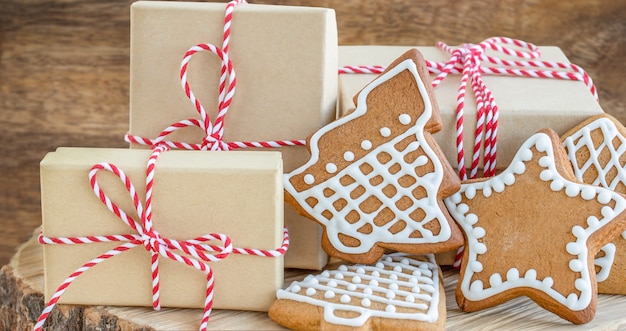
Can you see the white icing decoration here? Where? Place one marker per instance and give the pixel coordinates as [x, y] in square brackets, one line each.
[582, 139]
[385, 132]
[348, 156]
[475, 290]
[366, 145]
[417, 305]
[430, 181]
[309, 179]
[404, 119]
[605, 262]
[331, 168]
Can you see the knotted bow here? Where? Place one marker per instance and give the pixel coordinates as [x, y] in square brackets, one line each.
[197, 252]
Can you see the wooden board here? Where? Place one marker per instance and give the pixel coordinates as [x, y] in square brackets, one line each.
[22, 279]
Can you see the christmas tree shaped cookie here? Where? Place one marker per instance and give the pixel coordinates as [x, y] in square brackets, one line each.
[597, 151]
[534, 230]
[376, 178]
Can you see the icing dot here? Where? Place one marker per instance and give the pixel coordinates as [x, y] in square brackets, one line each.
[388, 259]
[557, 185]
[476, 266]
[471, 219]
[338, 276]
[518, 167]
[593, 221]
[329, 294]
[310, 291]
[380, 265]
[462, 208]
[572, 190]
[455, 198]
[413, 280]
[581, 285]
[498, 185]
[390, 309]
[332, 283]
[409, 298]
[572, 248]
[373, 282]
[495, 280]
[480, 248]
[345, 298]
[390, 295]
[604, 197]
[366, 302]
[351, 287]
[342, 268]
[309, 179]
[487, 191]
[508, 179]
[607, 212]
[331, 168]
[578, 231]
[588, 193]
[571, 300]
[547, 282]
[405, 261]
[427, 273]
[366, 144]
[416, 289]
[546, 175]
[348, 156]
[397, 268]
[417, 272]
[375, 273]
[360, 270]
[393, 277]
[367, 291]
[576, 265]
[325, 273]
[531, 274]
[543, 143]
[356, 279]
[393, 286]
[404, 119]
[385, 132]
[512, 274]
[545, 161]
[525, 155]
[470, 192]
[296, 289]
[478, 232]
[476, 286]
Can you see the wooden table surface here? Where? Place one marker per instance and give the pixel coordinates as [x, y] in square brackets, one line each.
[64, 68]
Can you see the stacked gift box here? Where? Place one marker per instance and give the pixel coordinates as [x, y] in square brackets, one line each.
[286, 61]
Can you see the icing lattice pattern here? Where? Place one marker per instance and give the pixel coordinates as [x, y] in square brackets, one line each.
[398, 287]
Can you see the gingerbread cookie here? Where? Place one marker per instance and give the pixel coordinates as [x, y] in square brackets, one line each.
[376, 177]
[597, 150]
[534, 230]
[399, 292]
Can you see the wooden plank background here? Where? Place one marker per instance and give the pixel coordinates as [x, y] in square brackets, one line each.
[64, 68]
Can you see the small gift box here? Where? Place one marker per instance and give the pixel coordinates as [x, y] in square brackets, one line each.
[233, 198]
[525, 103]
[285, 59]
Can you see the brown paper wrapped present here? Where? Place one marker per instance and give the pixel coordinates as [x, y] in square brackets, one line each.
[194, 193]
[286, 69]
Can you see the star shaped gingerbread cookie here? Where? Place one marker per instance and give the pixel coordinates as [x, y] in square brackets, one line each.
[533, 230]
[597, 151]
[376, 178]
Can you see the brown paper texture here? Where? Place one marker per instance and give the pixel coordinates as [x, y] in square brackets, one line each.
[285, 60]
[525, 105]
[195, 193]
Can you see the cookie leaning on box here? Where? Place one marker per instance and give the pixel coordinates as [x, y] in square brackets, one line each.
[376, 177]
[533, 230]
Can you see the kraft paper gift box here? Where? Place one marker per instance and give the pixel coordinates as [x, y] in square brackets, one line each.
[194, 193]
[285, 58]
[526, 105]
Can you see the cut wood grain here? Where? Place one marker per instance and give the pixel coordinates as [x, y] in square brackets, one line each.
[21, 299]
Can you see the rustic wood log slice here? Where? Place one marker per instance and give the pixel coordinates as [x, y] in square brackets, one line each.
[21, 302]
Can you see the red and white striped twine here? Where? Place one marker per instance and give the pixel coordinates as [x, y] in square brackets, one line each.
[196, 252]
[467, 60]
[214, 131]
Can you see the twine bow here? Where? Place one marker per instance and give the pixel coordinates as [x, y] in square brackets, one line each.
[196, 252]
[213, 131]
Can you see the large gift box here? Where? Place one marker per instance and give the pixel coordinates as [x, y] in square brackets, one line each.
[285, 59]
[194, 193]
[525, 104]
